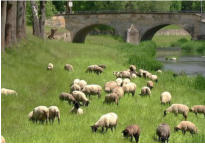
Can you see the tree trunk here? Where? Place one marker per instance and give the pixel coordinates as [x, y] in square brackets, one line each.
[3, 23]
[21, 20]
[36, 29]
[42, 17]
[10, 33]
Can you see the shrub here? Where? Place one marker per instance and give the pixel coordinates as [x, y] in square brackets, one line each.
[199, 82]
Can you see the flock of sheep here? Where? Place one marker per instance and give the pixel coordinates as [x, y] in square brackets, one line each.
[81, 91]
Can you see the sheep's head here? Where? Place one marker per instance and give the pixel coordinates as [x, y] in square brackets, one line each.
[165, 113]
[191, 109]
[94, 128]
[87, 103]
[125, 133]
[176, 129]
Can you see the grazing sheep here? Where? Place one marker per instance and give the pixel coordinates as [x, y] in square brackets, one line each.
[165, 97]
[102, 66]
[82, 84]
[75, 87]
[126, 81]
[133, 75]
[30, 116]
[66, 96]
[109, 86]
[198, 109]
[145, 91]
[119, 91]
[95, 68]
[113, 97]
[53, 113]
[76, 109]
[3, 139]
[133, 68]
[108, 120]
[140, 73]
[154, 78]
[80, 97]
[129, 88]
[50, 66]
[163, 132]
[146, 74]
[92, 90]
[119, 81]
[122, 74]
[41, 114]
[132, 130]
[186, 126]
[150, 84]
[178, 108]
[76, 81]
[68, 67]
[5, 91]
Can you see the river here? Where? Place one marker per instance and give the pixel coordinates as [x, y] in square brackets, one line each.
[186, 62]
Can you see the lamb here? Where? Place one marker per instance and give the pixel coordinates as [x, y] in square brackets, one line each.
[80, 97]
[150, 84]
[132, 130]
[154, 78]
[129, 88]
[41, 114]
[119, 81]
[109, 86]
[178, 108]
[66, 96]
[68, 67]
[126, 81]
[5, 91]
[30, 116]
[198, 109]
[165, 97]
[113, 97]
[163, 132]
[145, 91]
[119, 91]
[53, 113]
[108, 120]
[76, 109]
[50, 66]
[186, 126]
[3, 139]
[92, 90]
[75, 87]
[133, 68]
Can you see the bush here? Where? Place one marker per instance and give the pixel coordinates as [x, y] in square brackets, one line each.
[199, 82]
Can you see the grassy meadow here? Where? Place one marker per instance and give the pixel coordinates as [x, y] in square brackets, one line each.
[23, 68]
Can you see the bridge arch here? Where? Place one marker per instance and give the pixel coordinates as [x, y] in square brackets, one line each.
[148, 35]
[79, 36]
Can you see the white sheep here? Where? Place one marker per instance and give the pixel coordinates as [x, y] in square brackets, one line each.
[76, 81]
[159, 71]
[165, 97]
[186, 126]
[119, 81]
[93, 89]
[133, 75]
[41, 114]
[75, 87]
[150, 84]
[140, 73]
[76, 109]
[129, 88]
[5, 91]
[50, 66]
[154, 78]
[80, 97]
[53, 113]
[119, 91]
[82, 84]
[125, 81]
[113, 97]
[122, 74]
[109, 86]
[108, 120]
[145, 91]
[30, 116]
[178, 108]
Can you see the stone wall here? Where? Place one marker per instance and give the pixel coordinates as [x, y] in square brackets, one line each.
[56, 21]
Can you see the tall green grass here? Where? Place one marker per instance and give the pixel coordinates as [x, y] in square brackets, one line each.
[24, 70]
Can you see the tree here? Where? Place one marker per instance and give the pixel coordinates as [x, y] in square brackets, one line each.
[21, 20]
[42, 17]
[175, 6]
[10, 27]
[36, 28]
[3, 23]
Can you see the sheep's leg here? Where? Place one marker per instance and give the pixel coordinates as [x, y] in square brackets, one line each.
[131, 138]
[102, 129]
[136, 138]
[133, 93]
[111, 129]
[99, 95]
[168, 140]
[159, 139]
[106, 129]
[184, 132]
[185, 116]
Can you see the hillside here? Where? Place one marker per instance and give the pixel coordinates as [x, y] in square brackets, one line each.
[23, 68]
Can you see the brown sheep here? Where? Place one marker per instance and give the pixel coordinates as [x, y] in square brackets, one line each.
[198, 109]
[109, 86]
[113, 97]
[186, 126]
[119, 91]
[67, 97]
[163, 132]
[132, 130]
[68, 67]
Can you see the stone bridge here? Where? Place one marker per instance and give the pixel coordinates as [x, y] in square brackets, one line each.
[144, 24]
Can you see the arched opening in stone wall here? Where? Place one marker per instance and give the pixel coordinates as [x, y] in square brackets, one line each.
[166, 34]
[95, 29]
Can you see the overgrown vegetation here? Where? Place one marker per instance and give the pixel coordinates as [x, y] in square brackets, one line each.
[24, 70]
